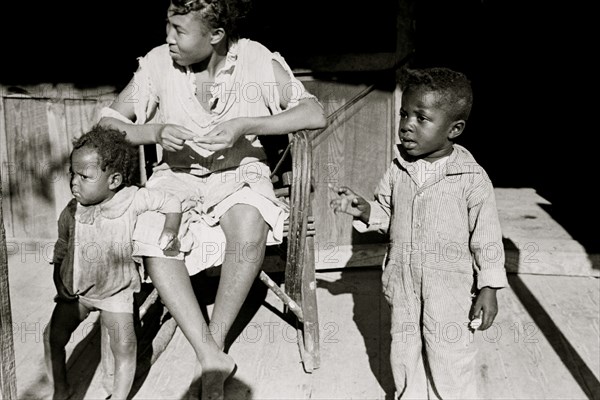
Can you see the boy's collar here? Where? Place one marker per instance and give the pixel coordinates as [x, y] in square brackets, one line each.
[460, 161]
[402, 155]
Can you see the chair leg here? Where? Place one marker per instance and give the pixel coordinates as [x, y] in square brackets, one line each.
[308, 332]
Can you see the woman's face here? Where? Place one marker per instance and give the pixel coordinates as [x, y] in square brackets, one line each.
[188, 37]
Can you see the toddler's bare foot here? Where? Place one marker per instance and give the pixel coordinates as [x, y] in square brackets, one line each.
[213, 380]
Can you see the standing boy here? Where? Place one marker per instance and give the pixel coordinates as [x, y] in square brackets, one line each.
[445, 260]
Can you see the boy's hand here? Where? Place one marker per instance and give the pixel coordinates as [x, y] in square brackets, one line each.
[486, 304]
[350, 203]
[168, 242]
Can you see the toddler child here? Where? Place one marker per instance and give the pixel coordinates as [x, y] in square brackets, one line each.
[93, 265]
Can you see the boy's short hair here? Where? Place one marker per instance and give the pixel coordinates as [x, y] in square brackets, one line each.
[115, 152]
[456, 94]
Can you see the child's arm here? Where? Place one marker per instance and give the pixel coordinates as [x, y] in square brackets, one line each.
[61, 248]
[62, 293]
[350, 203]
[168, 238]
[368, 215]
[487, 249]
[167, 204]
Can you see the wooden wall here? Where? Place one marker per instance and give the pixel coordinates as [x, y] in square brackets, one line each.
[36, 134]
[354, 151]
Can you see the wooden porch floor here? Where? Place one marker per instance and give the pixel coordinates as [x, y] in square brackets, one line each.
[545, 343]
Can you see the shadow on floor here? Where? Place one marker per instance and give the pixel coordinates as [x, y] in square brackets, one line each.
[81, 367]
[576, 366]
[235, 389]
[372, 318]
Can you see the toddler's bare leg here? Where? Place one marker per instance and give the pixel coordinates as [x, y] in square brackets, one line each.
[171, 279]
[66, 317]
[246, 234]
[123, 345]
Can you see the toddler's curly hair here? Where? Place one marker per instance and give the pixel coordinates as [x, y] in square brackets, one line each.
[453, 87]
[115, 152]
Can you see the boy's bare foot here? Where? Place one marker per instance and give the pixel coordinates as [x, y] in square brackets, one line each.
[213, 380]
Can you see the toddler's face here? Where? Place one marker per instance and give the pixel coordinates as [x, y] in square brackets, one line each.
[189, 39]
[89, 184]
[424, 126]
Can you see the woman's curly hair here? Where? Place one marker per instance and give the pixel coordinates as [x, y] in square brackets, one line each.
[115, 152]
[226, 14]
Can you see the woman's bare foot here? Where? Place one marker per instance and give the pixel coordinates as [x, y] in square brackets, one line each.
[214, 377]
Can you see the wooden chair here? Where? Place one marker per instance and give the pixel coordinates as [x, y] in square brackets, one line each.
[297, 252]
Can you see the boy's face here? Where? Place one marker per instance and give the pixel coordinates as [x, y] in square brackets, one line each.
[188, 38]
[425, 128]
[89, 184]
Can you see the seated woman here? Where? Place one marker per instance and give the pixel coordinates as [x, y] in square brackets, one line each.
[205, 96]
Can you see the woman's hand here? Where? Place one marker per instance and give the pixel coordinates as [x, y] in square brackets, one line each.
[172, 137]
[223, 136]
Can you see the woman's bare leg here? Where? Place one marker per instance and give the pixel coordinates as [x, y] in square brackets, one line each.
[246, 235]
[171, 279]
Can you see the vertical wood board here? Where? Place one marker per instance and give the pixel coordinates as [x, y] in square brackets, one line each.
[30, 167]
[356, 154]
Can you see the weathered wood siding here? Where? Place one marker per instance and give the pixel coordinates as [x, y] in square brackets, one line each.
[355, 151]
[36, 135]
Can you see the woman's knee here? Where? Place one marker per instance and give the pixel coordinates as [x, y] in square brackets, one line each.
[244, 223]
[242, 212]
